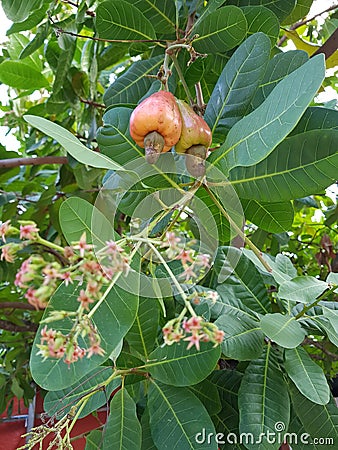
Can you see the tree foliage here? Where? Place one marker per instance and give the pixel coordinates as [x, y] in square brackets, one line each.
[201, 306]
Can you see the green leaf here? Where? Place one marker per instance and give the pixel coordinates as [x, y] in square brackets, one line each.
[94, 440]
[263, 399]
[122, 430]
[235, 269]
[332, 316]
[300, 11]
[307, 375]
[134, 83]
[237, 84]
[161, 14]
[304, 289]
[325, 325]
[320, 421]
[78, 216]
[283, 329]
[272, 217]
[114, 137]
[229, 303]
[143, 333]
[20, 75]
[262, 19]
[220, 31]
[243, 338]
[64, 63]
[278, 68]
[228, 383]
[118, 19]
[19, 10]
[147, 440]
[72, 144]
[113, 319]
[255, 136]
[301, 165]
[207, 392]
[59, 403]
[176, 418]
[41, 34]
[34, 18]
[282, 8]
[317, 118]
[177, 366]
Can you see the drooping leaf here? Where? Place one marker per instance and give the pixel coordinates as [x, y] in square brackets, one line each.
[113, 319]
[262, 19]
[263, 399]
[255, 136]
[278, 68]
[78, 216]
[220, 31]
[301, 165]
[114, 138]
[59, 403]
[177, 366]
[65, 59]
[282, 8]
[142, 335]
[123, 429]
[132, 85]
[41, 34]
[315, 418]
[20, 75]
[18, 10]
[243, 338]
[118, 19]
[272, 217]
[307, 375]
[304, 289]
[234, 268]
[177, 417]
[237, 84]
[72, 144]
[283, 329]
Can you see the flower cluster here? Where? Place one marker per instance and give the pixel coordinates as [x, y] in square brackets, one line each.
[55, 344]
[193, 330]
[194, 264]
[41, 274]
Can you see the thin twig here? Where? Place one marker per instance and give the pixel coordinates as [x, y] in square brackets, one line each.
[92, 103]
[122, 41]
[10, 326]
[16, 305]
[304, 22]
[16, 162]
[321, 347]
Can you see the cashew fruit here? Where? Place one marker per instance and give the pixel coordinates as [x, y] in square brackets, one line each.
[195, 160]
[195, 139]
[156, 124]
[195, 130]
